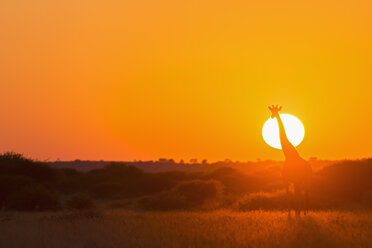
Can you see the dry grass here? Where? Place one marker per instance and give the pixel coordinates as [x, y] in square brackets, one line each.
[186, 229]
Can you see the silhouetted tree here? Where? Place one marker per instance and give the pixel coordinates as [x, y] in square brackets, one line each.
[193, 161]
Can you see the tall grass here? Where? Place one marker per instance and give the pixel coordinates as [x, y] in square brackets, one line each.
[186, 229]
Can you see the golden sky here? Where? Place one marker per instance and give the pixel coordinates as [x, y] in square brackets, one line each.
[143, 79]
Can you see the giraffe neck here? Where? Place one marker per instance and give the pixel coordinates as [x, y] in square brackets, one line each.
[288, 149]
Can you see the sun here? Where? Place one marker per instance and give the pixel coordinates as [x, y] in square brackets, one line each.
[293, 126]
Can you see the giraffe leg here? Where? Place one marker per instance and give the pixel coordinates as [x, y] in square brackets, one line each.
[288, 200]
[306, 201]
[303, 202]
[297, 199]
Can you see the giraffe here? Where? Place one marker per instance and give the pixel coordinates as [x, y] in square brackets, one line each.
[296, 170]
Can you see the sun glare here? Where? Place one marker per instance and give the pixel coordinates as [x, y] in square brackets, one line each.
[294, 129]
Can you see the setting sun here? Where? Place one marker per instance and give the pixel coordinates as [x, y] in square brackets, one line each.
[294, 129]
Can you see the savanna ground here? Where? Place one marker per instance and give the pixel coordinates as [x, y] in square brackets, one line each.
[221, 228]
[224, 204]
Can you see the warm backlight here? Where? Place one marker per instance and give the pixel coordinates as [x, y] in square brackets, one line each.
[293, 127]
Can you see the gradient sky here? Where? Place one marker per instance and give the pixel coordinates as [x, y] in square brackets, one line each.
[143, 79]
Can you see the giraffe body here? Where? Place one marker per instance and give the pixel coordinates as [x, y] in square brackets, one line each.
[296, 170]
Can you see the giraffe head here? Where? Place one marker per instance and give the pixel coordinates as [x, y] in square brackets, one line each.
[275, 110]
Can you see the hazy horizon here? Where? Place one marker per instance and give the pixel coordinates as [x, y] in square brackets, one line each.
[186, 160]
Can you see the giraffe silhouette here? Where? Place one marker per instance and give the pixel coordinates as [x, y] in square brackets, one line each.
[296, 170]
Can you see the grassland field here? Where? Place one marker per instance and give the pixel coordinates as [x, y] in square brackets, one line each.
[220, 228]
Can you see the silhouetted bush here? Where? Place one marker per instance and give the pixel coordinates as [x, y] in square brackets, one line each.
[152, 183]
[14, 163]
[33, 198]
[9, 184]
[186, 195]
[367, 199]
[107, 190]
[119, 180]
[343, 183]
[70, 216]
[120, 204]
[265, 201]
[79, 203]
[198, 191]
[70, 181]
[235, 181]
[116, 179]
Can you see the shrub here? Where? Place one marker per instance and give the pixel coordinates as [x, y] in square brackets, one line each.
[70, 182]
[79, 203]
[17, 164]
[116, 179]
[197, 191]
[367, 199]
[106, 190]
[342, 184]
[9, 184]
[195, 194]
[33, 198]
[235, 181]
[264, 200]
[120, 204]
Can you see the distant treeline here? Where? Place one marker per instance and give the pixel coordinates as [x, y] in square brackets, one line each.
[164, 164]
[37, 186]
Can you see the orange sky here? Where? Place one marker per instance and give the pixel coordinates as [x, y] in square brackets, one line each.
[141, 79]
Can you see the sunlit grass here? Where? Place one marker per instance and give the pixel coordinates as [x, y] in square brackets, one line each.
[187, 229]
